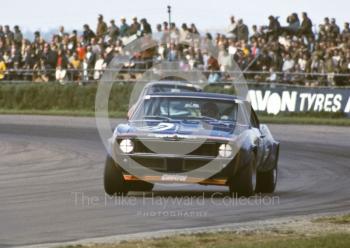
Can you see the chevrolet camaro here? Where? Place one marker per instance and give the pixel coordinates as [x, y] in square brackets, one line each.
[192, 137]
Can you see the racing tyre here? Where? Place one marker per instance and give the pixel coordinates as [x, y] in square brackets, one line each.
[114, 183]
[243, 182]
[266, 181]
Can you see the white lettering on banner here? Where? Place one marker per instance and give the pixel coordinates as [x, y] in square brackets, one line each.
[252, 98]
[311, 99]
[275, 102]
[328, 102]
[303, 97]
[347, 108]
[319, 102]
[289, 101]
[337, 103]
[262, 102]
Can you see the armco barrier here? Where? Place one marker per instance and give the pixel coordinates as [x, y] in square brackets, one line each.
[275, 99]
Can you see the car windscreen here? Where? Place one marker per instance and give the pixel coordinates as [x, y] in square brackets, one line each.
[187, 108]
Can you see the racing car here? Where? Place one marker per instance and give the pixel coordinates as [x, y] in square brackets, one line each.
[192, 137]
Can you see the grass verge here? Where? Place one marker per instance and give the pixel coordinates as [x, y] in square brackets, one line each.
[326, 232]
[343, 219]
[227, 240]
[305, 120]
[57, 112]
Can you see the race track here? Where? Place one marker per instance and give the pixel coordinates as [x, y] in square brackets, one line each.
[51, 184]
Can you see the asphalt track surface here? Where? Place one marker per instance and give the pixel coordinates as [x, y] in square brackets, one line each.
[51, 188]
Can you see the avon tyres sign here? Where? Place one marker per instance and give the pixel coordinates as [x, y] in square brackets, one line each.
[293, 99]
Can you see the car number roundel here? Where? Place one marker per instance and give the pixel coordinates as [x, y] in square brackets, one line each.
[160, 127]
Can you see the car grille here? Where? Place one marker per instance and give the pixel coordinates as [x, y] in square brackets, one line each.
[170, 165]
[170, 159]
[205, 149]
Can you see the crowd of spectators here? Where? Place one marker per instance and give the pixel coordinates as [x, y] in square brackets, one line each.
[295, 53]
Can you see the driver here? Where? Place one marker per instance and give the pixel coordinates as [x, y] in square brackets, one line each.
[210, 109]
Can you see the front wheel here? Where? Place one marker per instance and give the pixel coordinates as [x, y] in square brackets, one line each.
[243, 182]
[114, 182]
[266, 181]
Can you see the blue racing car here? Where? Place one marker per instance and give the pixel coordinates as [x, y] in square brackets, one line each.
[192, 137]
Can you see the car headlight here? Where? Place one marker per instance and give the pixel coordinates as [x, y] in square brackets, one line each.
[126, 146]
[225, 151]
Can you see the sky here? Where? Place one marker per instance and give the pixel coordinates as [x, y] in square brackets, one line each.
[208, 15]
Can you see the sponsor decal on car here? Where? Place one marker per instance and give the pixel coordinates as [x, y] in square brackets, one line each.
[173, 178]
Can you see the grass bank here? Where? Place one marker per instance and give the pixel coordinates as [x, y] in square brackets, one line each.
[228, 240]
[328, 232]
[74, 100]
[54, 97]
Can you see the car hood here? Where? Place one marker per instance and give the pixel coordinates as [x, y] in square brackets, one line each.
[184, 128]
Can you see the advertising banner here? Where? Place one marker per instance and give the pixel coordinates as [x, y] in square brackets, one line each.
[276, 99]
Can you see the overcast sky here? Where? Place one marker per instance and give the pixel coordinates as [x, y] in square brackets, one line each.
[207, 14]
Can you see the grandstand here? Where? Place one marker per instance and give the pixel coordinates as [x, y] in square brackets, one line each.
[293, 54]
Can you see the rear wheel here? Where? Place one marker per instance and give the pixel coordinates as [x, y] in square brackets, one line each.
[266, 181]
[243, 182]
[114, 182]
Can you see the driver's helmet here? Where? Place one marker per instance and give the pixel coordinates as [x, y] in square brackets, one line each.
[210, 109]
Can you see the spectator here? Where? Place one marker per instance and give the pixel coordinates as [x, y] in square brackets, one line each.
[88, 34]
[334, 28]
[293, 24]
[174, 33]
[81, 52]
[37, 37]
[273, 28]
[288, 63]
[213, 64]
[242, 31]
[17, 36]
[135, 27]
[61, 69]
[184, 33]
[232, 27]
[8, 34]
[113, 31]
[101, 29]
[2, 68]
[124, 28]
[193, 29]
[100, 65]
[159, 27]
[2, 34]
[214, 77]
[40, 72]
[306, 28]
[273, 77]
[75, 66]
[146, 27]
[173, 53]
[346, 31]
[61, 32]
[256, 34]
